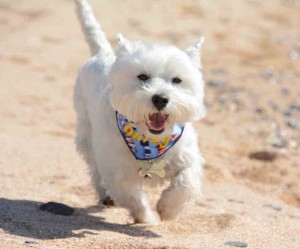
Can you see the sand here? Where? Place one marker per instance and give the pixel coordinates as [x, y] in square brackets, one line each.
[251, 62]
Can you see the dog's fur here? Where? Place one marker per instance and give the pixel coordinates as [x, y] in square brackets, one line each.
[107, 83]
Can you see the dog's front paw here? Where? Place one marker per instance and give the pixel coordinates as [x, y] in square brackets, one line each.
[147, 218]
[166, 213]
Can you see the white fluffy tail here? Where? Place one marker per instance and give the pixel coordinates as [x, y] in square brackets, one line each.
[95, 37]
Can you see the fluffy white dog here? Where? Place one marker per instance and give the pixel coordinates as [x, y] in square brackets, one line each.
[135, 109]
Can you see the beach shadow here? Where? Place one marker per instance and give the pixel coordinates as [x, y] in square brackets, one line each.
[23, 218]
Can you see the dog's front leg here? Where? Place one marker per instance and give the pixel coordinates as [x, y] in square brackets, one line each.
[129, 194]
[186, 186]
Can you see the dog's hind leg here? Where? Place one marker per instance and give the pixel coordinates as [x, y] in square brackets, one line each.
[84, 144]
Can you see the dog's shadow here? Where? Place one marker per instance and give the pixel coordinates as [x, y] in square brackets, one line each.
[23, 218]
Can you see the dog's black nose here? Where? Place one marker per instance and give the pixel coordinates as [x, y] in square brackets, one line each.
[159, 101]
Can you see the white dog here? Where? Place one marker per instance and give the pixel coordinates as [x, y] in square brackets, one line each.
[135, 109]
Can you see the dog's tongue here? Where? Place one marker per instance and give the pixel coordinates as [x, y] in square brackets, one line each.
[157, 121]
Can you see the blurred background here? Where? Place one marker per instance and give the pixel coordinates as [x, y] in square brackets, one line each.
[250, 137]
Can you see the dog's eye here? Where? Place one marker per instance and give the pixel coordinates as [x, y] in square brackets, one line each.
[143, 77]
[176, 80]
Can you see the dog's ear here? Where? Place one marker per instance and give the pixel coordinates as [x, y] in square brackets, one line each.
[194, 52]
[125, 46]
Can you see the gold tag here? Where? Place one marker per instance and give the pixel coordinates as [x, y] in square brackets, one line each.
[148, 167]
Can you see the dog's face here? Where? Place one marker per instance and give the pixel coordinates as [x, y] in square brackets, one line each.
[156, 86]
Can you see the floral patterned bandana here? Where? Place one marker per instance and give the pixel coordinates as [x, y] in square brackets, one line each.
[141, 146]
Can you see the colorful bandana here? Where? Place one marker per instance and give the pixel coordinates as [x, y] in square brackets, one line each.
[141, 146]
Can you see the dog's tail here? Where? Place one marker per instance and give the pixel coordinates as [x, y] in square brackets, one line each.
[95, 37]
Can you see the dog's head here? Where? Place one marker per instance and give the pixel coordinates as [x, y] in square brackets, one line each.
[156, 85]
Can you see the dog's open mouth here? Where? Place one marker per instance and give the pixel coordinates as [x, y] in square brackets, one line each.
[157, 122]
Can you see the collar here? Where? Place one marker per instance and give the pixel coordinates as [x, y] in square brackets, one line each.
[142, 147]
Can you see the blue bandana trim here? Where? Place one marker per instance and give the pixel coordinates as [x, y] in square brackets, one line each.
[141, 147]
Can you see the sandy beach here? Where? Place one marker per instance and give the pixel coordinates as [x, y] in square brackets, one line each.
[250, 137]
